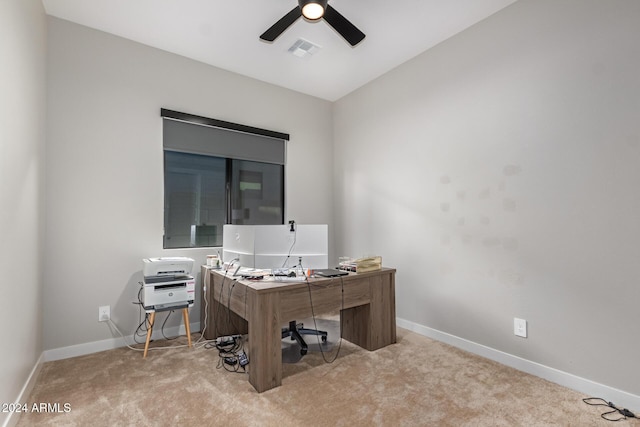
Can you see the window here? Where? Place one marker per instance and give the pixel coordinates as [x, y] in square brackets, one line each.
[257, 193]
[218, 173]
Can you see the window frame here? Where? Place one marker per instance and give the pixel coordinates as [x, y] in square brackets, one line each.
[218, 125]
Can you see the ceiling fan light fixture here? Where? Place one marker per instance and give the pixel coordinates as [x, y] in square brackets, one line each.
[323, 11]
[313, 9]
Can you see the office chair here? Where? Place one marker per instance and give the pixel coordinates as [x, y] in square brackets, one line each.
[296, 331]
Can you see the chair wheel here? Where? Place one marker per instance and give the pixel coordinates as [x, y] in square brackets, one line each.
[324, 338]
[303, 351]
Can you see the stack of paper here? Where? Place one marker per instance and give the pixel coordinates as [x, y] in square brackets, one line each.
[362, 265]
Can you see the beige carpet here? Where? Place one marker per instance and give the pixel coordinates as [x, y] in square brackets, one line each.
[416, 382]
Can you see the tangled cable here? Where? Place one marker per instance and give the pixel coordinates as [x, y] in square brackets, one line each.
[623, 412]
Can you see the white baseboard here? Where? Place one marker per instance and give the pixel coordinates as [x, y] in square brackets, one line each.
[111, 343]
[583, 385]
[13, 417]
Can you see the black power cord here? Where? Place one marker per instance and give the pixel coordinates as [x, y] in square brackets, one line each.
[313, 315]
[295, 237]
[217, 321]
[622, 412]
[231, 354]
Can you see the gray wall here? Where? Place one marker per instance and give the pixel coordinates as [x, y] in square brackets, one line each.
[105, 173]
[22, 116]
[499, 173]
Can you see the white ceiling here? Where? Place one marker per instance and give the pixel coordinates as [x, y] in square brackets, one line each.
[225, 34]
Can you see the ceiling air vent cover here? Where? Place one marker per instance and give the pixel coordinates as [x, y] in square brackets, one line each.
[303, 48]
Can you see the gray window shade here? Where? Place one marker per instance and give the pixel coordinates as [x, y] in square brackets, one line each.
[214, 141]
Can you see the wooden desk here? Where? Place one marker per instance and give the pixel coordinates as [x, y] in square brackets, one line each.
[262, 308]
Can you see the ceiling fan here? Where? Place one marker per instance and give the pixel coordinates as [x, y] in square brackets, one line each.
[314, 10]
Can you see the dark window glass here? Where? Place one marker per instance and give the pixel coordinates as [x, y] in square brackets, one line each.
[256, 193]
[202, 193]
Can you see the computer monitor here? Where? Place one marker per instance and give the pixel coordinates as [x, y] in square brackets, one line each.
[276, 246]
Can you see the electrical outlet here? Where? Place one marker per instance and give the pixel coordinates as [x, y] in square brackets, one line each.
[520, 327]
[104, 313]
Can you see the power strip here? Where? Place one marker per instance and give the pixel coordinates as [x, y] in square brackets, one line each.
[229, 339]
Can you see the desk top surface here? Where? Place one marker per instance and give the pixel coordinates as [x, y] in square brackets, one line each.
[275, 283]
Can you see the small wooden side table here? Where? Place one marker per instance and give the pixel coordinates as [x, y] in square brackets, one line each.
[152, 318]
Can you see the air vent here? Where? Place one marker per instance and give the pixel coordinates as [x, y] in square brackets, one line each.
[303, 48]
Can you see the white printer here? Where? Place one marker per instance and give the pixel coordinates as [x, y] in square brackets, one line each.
[168, 283]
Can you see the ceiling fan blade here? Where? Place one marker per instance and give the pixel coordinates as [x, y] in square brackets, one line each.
[342, 25]
[285, 22]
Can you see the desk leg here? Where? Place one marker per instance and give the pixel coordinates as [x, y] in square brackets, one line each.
[373, 326]
[187, 327]
[265, 336]
[152, 318]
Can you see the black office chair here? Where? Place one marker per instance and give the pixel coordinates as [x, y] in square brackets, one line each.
[295, 331]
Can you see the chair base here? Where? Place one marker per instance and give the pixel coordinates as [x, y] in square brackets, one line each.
[296, 333]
